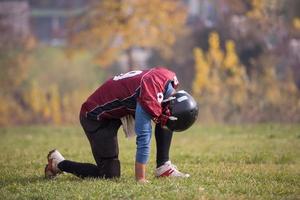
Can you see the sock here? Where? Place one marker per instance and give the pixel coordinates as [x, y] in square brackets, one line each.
[82, 170]
[163, 139]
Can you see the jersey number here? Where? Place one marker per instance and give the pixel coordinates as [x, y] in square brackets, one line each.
[127, 75]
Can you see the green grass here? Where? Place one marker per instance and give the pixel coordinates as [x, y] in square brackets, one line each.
[225, 162]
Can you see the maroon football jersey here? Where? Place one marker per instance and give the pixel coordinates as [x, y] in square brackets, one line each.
[118, 96]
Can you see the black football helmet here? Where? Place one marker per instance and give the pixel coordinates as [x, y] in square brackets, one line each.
[184, 111]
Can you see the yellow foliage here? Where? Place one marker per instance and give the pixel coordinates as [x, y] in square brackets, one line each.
[46, 112]
[236, 78]
[115, 26]
[296, 23]
[226, 84]
[34, 97]
[202, 71]
[215, 87]
[49, 105]
[231, 59]
[13, 64]
[71, 103]
[257, 9]
[270, 86]
[215, 53]
[10, 111]
[39, 103]
[54, 104]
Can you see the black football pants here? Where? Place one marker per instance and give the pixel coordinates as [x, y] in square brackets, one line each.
[103, 139]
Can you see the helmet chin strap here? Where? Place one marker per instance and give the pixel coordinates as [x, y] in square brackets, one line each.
[172, 118]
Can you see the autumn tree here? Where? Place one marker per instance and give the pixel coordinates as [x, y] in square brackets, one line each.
[220, 82]
[112, 27]
[15, 45]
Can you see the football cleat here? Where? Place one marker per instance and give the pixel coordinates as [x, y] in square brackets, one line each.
[169, 170]
[51, 169]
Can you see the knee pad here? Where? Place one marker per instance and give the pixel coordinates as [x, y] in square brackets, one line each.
[111, 168]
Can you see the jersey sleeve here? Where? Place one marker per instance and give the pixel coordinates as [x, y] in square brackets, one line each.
[151, 96]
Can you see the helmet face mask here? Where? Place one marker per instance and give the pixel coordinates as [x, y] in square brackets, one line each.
[185, 109]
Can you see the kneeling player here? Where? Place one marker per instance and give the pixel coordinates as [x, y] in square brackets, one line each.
[132, 100]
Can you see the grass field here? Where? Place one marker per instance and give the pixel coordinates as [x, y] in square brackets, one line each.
[225, 162]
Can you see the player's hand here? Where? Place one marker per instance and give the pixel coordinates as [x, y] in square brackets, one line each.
[140, 172]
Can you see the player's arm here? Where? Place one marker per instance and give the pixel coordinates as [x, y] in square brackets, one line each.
[143, 131]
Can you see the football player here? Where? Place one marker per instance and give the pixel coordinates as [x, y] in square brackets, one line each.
[132, 100]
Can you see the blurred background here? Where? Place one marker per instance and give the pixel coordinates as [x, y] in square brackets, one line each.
[239, 58]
